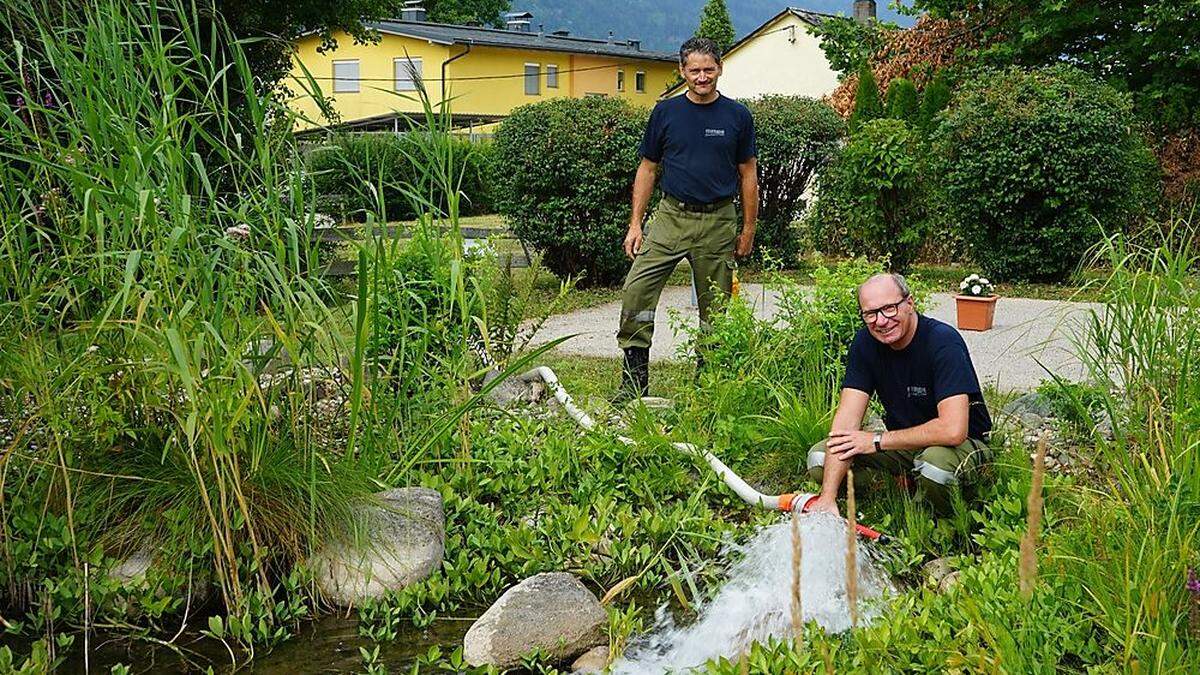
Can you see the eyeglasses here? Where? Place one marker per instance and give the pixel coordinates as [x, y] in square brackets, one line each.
[888, 311]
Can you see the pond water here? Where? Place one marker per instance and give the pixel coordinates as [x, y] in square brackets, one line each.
[327, 645]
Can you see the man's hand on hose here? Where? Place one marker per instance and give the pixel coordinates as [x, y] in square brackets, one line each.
[846, 444]
[633, 241]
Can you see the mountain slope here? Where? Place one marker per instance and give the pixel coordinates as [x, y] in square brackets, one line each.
[664, 24]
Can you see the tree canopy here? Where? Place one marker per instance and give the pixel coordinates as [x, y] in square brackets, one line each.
[1150, 48]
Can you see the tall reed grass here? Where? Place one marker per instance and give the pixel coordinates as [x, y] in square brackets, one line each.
[1139, 526]
[165, 342]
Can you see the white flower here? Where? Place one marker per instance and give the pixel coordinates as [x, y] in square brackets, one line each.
[973, 277]
[962, 286]
[976, 289]
[985, 282]
[93, 349]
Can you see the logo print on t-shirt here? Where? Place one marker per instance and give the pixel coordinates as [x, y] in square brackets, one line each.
[709, 133]
[917, 392]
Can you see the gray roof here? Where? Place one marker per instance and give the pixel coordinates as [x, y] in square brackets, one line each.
[815, 18]
[448, 34]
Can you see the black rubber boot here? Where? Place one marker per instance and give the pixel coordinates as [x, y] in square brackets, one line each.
[635, 375]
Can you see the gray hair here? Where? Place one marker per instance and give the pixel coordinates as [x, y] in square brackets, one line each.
[897, 279]
[699, 45]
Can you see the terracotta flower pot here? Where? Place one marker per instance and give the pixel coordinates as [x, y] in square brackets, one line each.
[975, 313]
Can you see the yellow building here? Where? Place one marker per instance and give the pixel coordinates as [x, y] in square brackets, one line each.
[485, 72]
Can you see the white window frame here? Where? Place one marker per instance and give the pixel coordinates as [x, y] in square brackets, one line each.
[345, 85]
[552, 76]
[415, 71]
[639, 82]
[620, 79]
[534, 78]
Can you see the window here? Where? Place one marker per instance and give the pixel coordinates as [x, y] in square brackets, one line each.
[345, 76]
[620, 79]
[532, 72]
[551, 77]
[407, 73]
[639, 81]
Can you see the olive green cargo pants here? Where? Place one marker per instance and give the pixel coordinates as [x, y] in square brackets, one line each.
[940, 469]
[707, 240]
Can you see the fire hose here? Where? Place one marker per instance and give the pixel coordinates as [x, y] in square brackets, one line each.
[786, 502]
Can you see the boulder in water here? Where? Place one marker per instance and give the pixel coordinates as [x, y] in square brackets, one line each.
[405, 541]
[551, 612]
[594, 660]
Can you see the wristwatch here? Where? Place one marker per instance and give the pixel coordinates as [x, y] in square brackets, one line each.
[878, 441]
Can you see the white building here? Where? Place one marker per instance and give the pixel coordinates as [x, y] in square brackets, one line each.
[781, 57]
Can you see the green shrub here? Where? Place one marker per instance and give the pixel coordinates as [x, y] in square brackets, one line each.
[877, 192]
[867, 105]
[796, 137]
[1036, 165]
[564, 170]
[359, 173]
[934, 100]
[902, 100]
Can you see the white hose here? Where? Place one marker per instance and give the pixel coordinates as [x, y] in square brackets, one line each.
[735, 482]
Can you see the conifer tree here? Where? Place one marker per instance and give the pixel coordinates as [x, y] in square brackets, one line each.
[935, 99]
[867, 105]
[902, 100]
[716, 25]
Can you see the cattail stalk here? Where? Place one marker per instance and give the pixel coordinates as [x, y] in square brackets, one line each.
[797, 605]
[851, 551]
[1027, 572]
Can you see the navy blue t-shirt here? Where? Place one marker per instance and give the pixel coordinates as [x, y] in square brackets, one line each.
[699, 147]
[911, 382]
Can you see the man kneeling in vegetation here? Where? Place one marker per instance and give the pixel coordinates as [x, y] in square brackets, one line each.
[934, 411]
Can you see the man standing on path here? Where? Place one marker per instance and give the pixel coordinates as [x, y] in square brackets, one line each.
[705, 143]
[936, 419]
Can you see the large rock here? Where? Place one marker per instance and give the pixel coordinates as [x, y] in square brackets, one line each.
[1032, 403]
[527, 387]
[404, 541]
[552, 612]
[594, 660]
[936, 570]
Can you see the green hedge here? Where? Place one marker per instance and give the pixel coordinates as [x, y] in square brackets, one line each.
[796, 137]
[351, 169]
[1035, 165]
[564, 172]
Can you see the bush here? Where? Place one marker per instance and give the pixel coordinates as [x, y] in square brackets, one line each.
[876, 192]
[357, 173]
[1036, 165]
[796, 137]
[564, 171]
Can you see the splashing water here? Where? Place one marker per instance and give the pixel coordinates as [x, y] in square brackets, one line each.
[755, 604]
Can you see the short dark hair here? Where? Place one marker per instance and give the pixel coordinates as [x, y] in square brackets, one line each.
[699, 45]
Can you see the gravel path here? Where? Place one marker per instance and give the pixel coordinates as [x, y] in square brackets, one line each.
[1028, 334]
